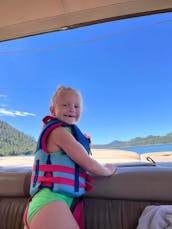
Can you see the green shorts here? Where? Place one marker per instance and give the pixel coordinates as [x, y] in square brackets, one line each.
[43, 197]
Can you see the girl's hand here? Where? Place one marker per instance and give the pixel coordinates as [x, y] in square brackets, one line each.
[111, 168]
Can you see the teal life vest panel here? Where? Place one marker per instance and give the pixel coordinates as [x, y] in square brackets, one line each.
[57, 171]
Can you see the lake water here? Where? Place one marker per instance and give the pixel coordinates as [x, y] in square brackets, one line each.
[147, 149]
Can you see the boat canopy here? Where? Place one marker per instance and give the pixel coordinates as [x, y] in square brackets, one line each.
[20, 18]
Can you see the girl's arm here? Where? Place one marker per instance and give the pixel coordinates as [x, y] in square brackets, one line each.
[61, 139]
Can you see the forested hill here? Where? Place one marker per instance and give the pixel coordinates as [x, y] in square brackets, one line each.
[139, 141]
[14, 142]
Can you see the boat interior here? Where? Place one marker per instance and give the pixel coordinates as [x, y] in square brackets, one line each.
[117, 201]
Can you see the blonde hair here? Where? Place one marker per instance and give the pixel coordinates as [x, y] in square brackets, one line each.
[62, 90]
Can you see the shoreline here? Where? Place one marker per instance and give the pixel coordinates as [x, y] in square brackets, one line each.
[133, 146]
[101, 155]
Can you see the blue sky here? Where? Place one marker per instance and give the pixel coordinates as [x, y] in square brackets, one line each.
[122, 68]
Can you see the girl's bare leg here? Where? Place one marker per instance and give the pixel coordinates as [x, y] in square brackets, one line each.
[55, 215]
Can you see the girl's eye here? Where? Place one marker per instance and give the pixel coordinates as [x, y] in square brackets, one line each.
[76, 106]
[64, 105]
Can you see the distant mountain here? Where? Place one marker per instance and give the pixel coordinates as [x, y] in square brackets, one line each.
[14, 142]
[138, 141]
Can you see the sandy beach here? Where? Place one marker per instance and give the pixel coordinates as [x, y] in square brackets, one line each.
[102, 155]
[22, 161]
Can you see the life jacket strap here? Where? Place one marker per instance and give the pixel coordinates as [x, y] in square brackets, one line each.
[47, 118]
[58, 168]
[57, 180]
[89, 183]
[45, 135]
[77, 211]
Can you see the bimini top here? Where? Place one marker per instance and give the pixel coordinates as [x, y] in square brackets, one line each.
[20, 18]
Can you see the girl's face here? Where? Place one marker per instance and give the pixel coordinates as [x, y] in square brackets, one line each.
[67, 107]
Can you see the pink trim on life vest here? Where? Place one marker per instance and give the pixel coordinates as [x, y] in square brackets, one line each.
[45, 135]
[47, 118]
[88, 187]
[89, 179]
[89, 183]
[57, 180]
[48, 184]
[87, 136]
[59, 168]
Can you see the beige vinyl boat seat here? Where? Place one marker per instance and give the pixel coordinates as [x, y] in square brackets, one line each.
[115, 202]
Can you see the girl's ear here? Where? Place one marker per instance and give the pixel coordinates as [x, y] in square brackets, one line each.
[52, 110]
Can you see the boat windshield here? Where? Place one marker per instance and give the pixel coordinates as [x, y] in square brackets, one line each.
[123, 70]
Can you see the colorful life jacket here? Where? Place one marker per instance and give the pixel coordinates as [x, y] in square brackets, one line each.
[57, 171]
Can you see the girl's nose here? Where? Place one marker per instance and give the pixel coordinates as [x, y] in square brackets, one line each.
[71, 107]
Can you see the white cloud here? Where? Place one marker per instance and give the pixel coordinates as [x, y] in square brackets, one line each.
[5, 112]
[3, 96]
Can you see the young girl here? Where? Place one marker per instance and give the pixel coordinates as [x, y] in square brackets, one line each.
[64, 154]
